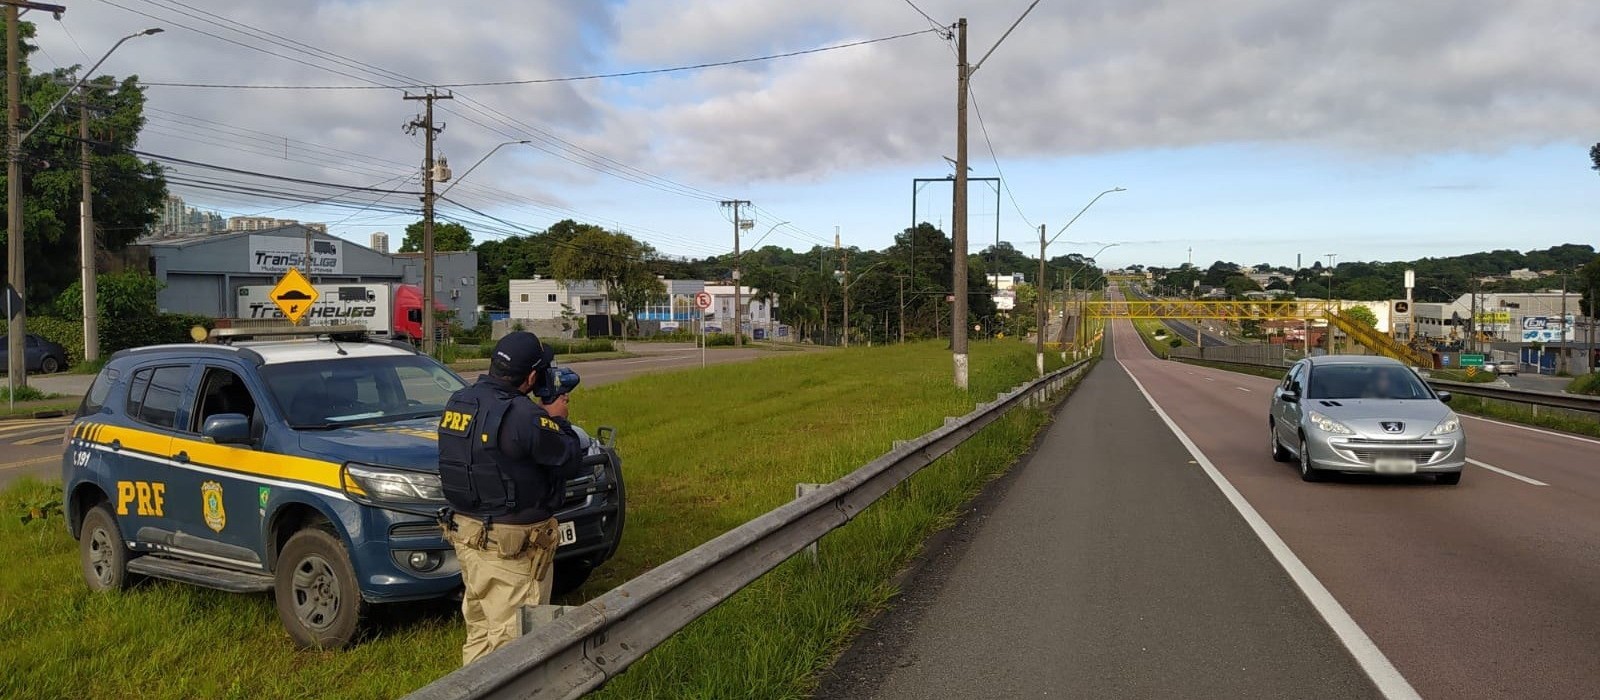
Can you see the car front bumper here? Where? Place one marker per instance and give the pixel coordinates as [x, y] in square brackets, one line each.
[1356, 454]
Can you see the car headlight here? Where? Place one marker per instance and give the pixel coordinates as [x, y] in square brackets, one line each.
[393, 485]
[1329, 425]
[1447, 426]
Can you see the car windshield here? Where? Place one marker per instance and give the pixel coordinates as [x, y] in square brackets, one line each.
[326, 394]
[1365, 382]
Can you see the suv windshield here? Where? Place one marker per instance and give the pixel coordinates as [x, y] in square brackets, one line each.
[326, 394]
[1366, 382]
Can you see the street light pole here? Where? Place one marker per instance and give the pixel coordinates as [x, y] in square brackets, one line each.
[485, 157]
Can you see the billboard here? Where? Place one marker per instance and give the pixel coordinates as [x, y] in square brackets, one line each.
[276, 254]
[1547, 329]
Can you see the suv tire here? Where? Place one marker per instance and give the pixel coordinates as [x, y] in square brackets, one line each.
[569, 576]
[315, 589]
[102, 552]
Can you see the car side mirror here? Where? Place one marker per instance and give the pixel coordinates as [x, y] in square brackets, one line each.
[1444, 397]
[228, 429]
[1289, 395]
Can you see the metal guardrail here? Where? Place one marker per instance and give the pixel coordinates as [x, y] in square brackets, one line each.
[584, 646]
[1573, 402]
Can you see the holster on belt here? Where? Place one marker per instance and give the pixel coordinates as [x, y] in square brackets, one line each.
[511, 541]
[545, 541]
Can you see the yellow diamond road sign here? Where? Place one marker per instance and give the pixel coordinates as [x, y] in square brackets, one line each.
[294, 295]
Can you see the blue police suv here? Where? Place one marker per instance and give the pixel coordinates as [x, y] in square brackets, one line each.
[297, 461]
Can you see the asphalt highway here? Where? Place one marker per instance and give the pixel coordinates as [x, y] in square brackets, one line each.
[1186, 331]
[1122, 560]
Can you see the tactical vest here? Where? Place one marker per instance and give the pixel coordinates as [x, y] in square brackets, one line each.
[472, 470]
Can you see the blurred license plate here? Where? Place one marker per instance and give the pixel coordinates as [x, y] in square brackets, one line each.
[1394, 465]
[569, 534]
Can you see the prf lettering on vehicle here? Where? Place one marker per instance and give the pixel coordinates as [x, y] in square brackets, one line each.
[147, 497]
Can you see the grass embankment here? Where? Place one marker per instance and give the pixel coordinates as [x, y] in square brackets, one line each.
[1460, 375]
[1575, 422]
[1257, 370]
[1157, 336]
[1586, 384]
[704, 450]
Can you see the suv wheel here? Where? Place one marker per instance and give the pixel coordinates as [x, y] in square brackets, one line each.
[102, 552]
[317, 596]
[568, 576]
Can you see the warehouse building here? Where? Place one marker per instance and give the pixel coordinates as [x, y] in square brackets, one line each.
[203, 273]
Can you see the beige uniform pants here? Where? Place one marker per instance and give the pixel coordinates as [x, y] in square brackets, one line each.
[503, 570]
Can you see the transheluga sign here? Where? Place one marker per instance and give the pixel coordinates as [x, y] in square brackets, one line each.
[277, 254]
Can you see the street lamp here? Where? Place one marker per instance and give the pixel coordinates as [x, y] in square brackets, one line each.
[845, 290]
[1038, 341]
[16, 365]
[485, 157]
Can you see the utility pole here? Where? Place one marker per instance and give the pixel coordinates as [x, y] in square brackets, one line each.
[1039, 301]
[1561, 363]
[738, 295]
[429, 132]
[902, 280]
[86, 238]
[844, 258]
[958, 262]
[16, 365]
[1328, 341]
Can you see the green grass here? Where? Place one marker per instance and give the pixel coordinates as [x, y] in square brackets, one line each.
[1588, 384]
[25, 393]
[698, 463]
[1575, 422]
[1147, 331]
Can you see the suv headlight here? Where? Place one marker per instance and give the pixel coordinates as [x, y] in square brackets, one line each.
[394, 485]
[1447, 426]
[1329, 425]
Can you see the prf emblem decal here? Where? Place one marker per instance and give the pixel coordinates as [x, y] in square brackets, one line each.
[211, 495]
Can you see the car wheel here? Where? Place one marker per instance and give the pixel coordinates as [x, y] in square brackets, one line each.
[1308, 472]
[1278, 453]
[49, 365]
[102, 551]
[1449, 478]
[318, 600]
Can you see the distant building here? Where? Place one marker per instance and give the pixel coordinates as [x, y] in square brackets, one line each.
[263, 223]
[380, 242]
[1005, 289]
[1523, 274]
[1501, 316]
[175, 218]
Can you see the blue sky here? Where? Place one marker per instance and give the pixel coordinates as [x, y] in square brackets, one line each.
[1251, 130]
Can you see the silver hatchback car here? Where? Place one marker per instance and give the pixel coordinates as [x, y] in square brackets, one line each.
[1373, 415]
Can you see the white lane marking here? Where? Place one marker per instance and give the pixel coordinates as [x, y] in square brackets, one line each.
[40, 440]
[1505, 472]
[29, 463]
[1366, 653]
[1240, 388]
[1531, 429]
[1209, 379]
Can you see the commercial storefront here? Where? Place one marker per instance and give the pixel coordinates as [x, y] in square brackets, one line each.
[203, 273]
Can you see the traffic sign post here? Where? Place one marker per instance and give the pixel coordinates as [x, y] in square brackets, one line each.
[294, 295]
[1471, 360]
[702, 300]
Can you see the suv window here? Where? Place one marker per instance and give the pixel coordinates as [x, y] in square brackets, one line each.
[99, 390]
[330, 393]
[153, 395]
[223, 391]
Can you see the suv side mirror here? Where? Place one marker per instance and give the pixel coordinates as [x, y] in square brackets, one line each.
[228, 429]
[1444, 397]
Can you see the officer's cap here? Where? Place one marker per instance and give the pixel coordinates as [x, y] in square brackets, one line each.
[519, 354]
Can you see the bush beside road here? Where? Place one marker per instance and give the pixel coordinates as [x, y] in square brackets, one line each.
[703, 450]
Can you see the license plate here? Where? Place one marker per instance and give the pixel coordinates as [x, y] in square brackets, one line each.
[569, 534]
[1394, 465]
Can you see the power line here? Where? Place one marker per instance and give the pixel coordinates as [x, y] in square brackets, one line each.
[996, 158]
[931, 20]
[543, 81]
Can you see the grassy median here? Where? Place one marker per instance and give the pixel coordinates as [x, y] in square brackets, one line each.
[704, 450]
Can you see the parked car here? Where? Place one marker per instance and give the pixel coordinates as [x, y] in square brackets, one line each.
[303, 466]
[1362, 414]
[43, 356]
[1502, 367]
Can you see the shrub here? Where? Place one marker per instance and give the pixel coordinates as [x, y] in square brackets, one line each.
[581, 345]
[1586, 384]
[1175, 342]
[67, 333]
[714, 340]
[24, 393]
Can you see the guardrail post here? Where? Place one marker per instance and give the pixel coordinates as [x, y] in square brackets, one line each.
[536, 616]
[801, 490]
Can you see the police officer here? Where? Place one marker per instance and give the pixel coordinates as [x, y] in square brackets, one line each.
[503, 461]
